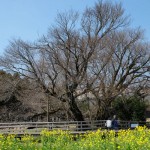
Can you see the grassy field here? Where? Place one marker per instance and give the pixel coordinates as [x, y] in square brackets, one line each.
[138, 139]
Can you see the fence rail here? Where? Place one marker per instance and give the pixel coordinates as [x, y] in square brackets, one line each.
[72, 126]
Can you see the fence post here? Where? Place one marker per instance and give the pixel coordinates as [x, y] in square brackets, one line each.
[92, 124]
[36, 127]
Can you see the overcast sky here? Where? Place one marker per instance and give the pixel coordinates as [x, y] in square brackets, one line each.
[30, 19]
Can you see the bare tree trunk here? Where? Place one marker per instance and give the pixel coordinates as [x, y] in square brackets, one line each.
[48, 119]
[104, 111]
[74, 108]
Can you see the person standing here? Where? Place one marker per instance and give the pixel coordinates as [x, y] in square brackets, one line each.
[108, 123]
[115, 123]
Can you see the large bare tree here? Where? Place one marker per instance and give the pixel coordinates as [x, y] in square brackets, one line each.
[129, 60]
[82, 54]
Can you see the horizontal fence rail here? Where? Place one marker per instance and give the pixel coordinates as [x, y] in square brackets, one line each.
[72, 126]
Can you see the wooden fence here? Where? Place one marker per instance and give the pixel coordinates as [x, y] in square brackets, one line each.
[72, 126]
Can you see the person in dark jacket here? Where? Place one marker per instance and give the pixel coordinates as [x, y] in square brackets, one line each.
[115, 123]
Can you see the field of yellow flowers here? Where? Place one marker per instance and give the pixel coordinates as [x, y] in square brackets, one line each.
[138, 139]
